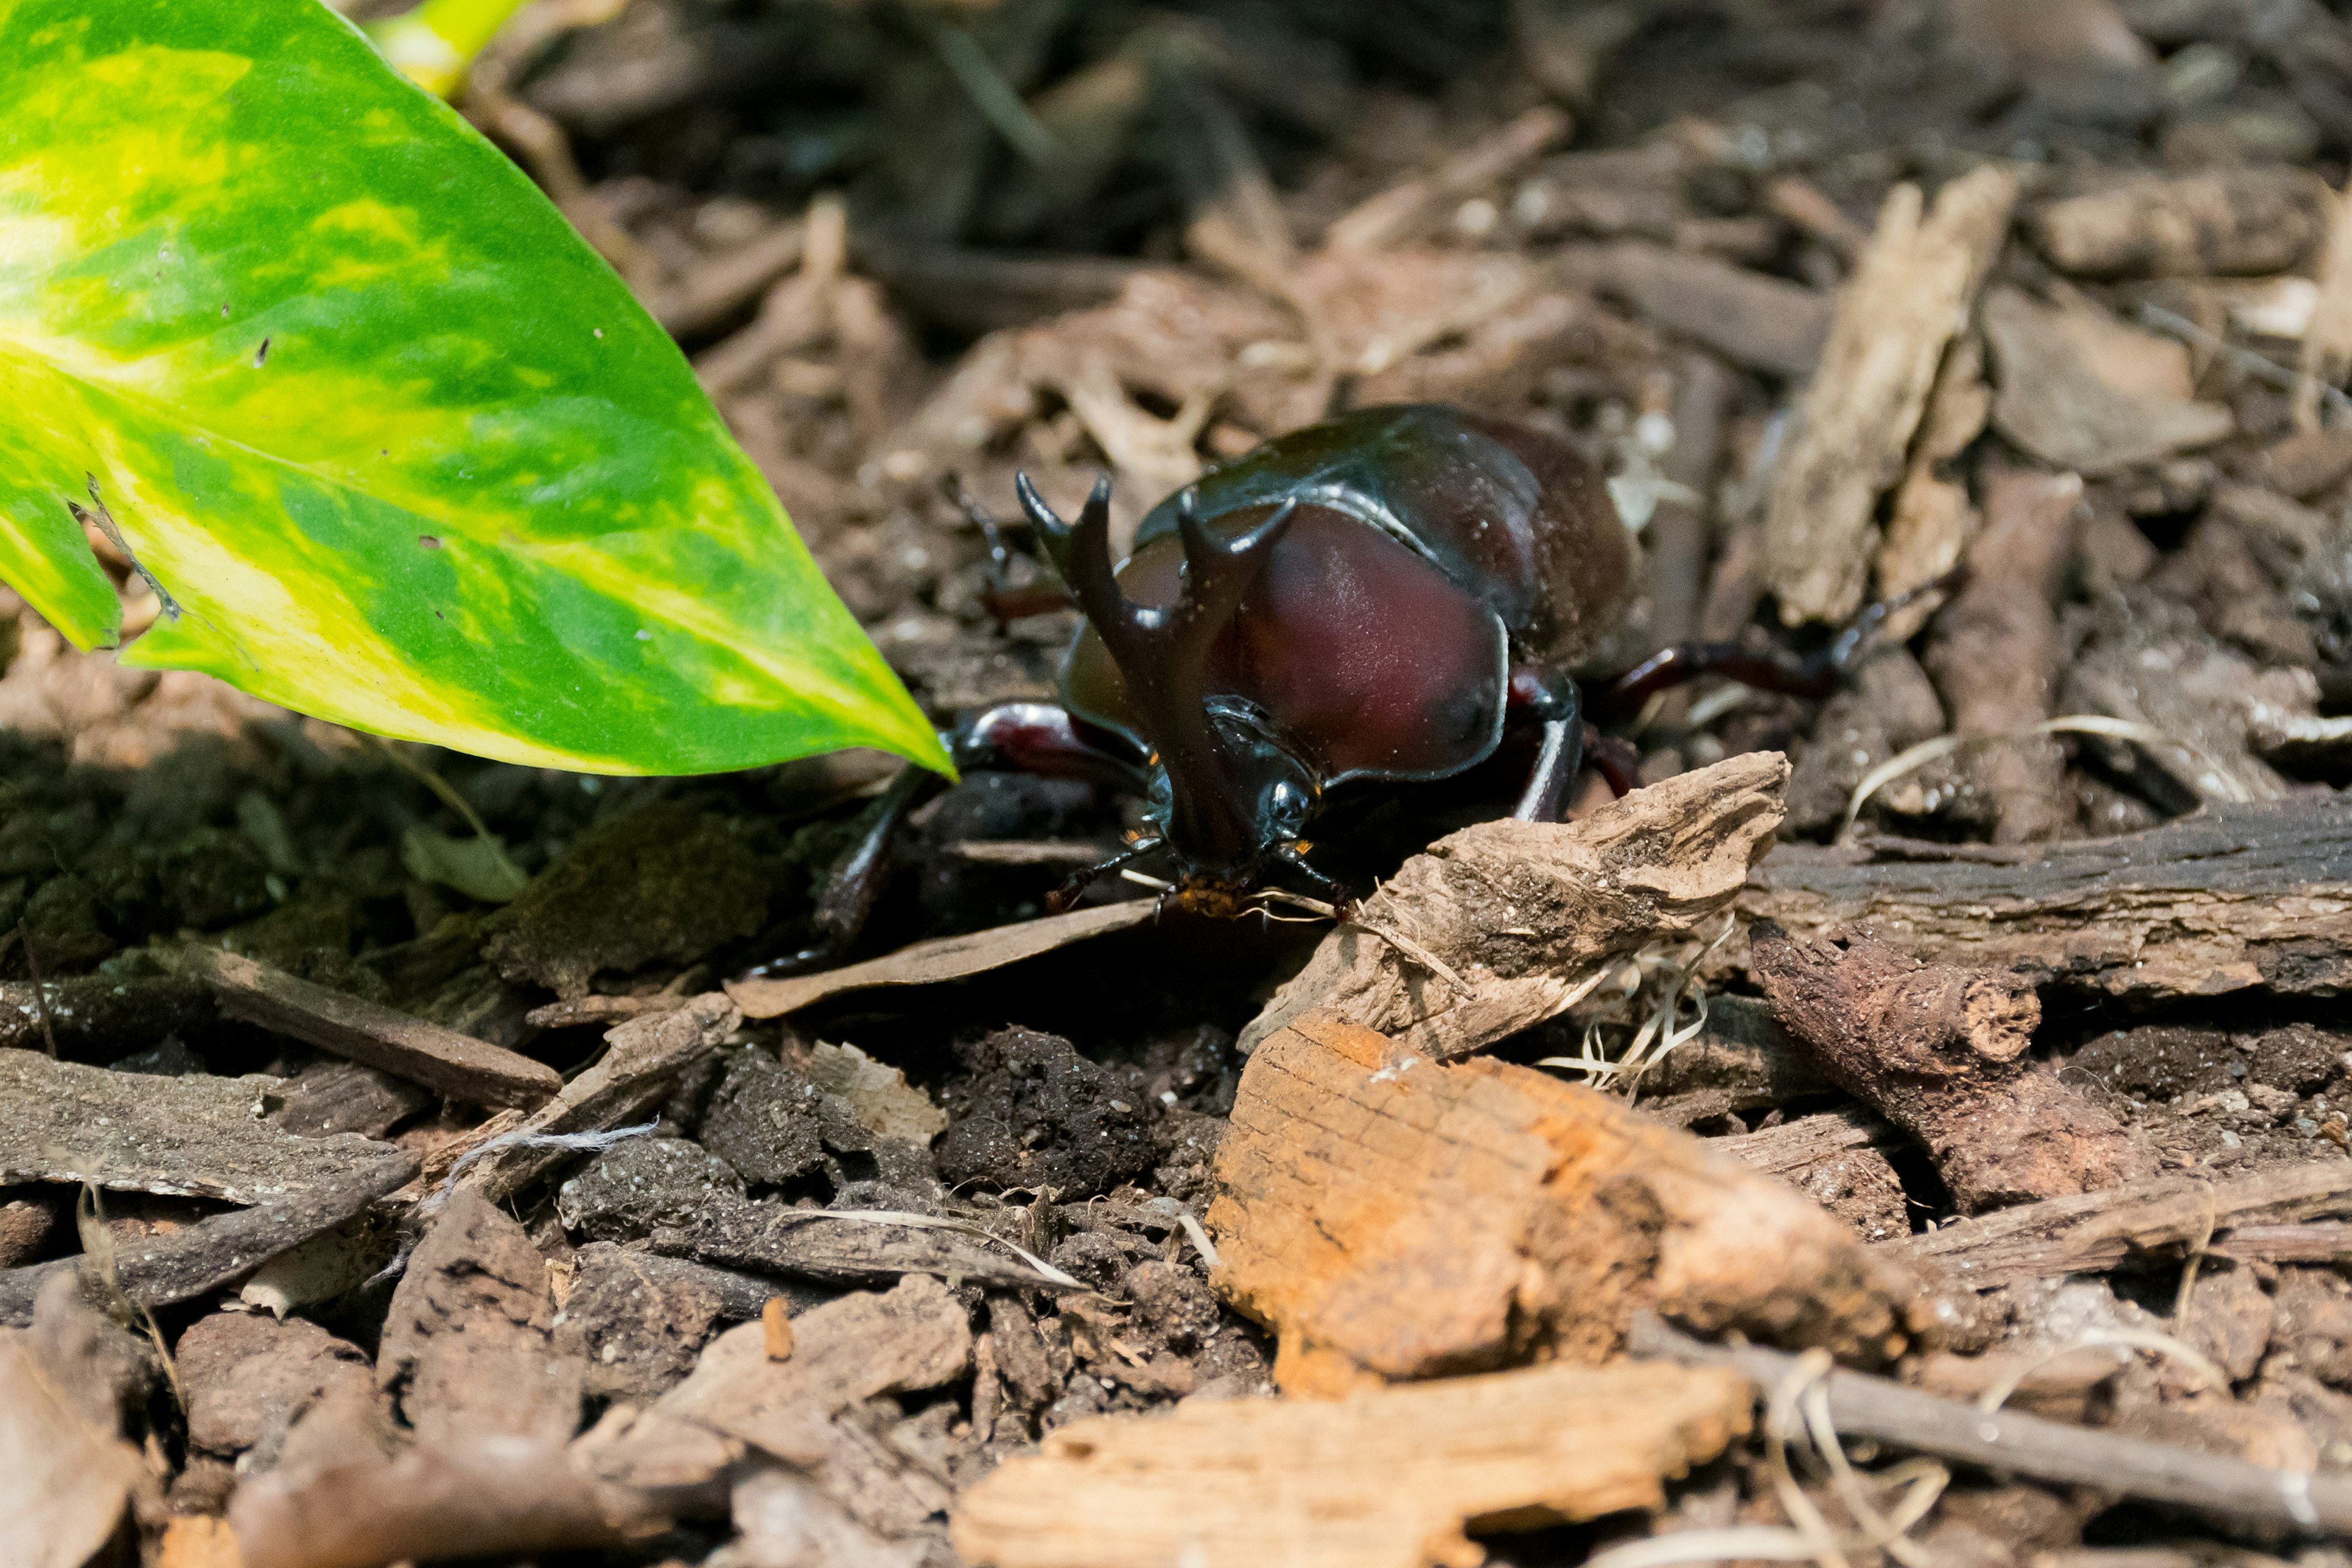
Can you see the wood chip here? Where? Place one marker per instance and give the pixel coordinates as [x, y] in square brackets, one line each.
[63, 1483]
[2232, 898]
[456, 1065]
[1940, 1051]
[2056, 405]
[2090, 1232]
[469, 1346]
[2245, 221]
[181, 1265]
[643, 1058]
[945, 958]
[1388, 1479]
[1751, 319]
[1522, 911]
[776, 1329]
[1910, 293]
[193, 1136]
[910, 1337]
[1996, 654]
[1394, 1218]
[480, 1497]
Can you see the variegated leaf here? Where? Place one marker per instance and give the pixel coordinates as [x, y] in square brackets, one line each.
[397, 447]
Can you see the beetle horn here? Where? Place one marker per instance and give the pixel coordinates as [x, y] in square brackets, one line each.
[1162, 652]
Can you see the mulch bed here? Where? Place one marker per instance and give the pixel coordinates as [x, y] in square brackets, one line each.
[1912, 1126]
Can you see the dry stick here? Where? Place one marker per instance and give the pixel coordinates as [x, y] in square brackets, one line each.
[1876, 1408]
[41, 993]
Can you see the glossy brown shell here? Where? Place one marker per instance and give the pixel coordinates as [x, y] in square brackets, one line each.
[1430, 548]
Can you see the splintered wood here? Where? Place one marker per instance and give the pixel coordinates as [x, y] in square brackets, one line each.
[1393, 1218]
[1519, 912]
[2232, 898]
[1910, 294]
[1940, 1051]
[1390, 1480]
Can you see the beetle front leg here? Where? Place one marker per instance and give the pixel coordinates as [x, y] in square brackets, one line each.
[1037, 738]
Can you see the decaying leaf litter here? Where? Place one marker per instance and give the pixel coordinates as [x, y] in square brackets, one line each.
[1911, 1127]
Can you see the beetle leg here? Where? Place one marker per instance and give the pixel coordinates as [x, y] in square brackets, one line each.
[856, 883]
[1004, 599]
[1815, 676]
[1012, 737]
[1555, 766]
[1617, 763]
[1063, 896]
[1335, 892]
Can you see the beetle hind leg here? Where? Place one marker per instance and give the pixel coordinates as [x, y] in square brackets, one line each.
[1813, 675]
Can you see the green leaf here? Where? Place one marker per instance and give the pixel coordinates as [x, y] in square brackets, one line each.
[398, 449]
[433, 44]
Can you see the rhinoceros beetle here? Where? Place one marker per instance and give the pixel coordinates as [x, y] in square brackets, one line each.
[1368, 602]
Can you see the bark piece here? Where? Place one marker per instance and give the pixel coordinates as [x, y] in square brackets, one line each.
[910, 1337]
[195, 1136]
[2234, 897]
[2090, 1232]
[2146, 660]
[97, 1018]
[248, 1377]
[783, 1517]
[64, 1482]
[1740, 1060]
[1753, 320]
[480, 1497]
[878, 1097]
[335, 1096]
[945, 958]
[2237, 221]
[1909, 294]
[1395, 1218]
[455, 1065]
[639, 1319]
[1937, 1050]
[207, 1254]
[643, 1058]
[2304, 464]
[1995, 654]
[773, 1237]
[469, 1348]
[1520, 910]
[1388, 1479]
[1891, 705]
[2055, 404]
[1837, 1159]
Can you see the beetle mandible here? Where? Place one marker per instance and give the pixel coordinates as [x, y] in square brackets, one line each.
[1372, 599]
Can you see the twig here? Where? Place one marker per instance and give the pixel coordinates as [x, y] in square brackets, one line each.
[1912, 758]
[2244, 360]
[40, 992]
[913, 1221]
[1876, 1408]
[2212, 1376]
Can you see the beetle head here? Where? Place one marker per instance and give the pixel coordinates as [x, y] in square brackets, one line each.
[1226, 789]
